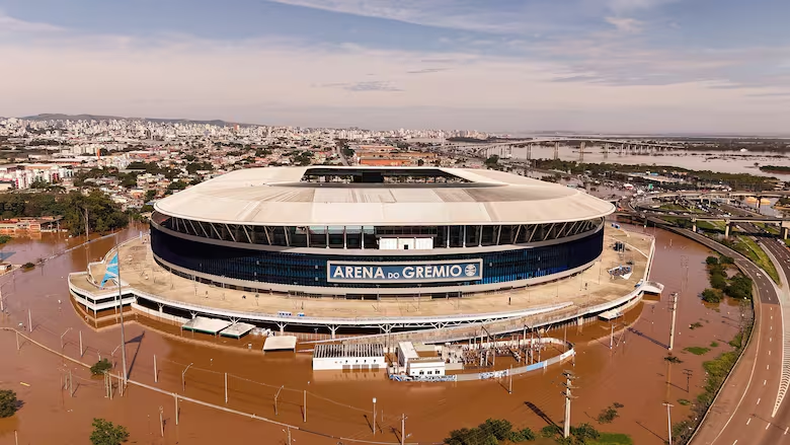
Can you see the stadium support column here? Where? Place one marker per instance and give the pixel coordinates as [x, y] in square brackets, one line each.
[727, 225]
[581, 152]
[694, 225]
[556, 151]
[784, 228]
[606, 151]
[282, 327]
[333, 330]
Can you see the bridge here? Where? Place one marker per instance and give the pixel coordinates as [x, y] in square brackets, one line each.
[784, 223]
[615, 145]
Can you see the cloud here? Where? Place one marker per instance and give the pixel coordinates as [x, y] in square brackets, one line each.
[596, 81]
[376, 85]
[12, 25]
[628, 6]
[624, 24]
[774, 94]
[466, 15]
[427, 71]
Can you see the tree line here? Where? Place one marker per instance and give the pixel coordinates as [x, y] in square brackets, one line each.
[104, 215]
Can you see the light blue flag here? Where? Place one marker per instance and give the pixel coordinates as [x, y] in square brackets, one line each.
[112, 270]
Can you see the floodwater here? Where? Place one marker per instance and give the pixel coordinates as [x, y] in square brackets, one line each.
[720, 161]
[339, 404]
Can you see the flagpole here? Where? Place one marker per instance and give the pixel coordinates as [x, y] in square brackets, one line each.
[120, 299]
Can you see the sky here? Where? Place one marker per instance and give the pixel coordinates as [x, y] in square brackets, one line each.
[505, 66]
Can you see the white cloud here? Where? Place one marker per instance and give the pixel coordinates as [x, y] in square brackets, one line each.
[275, 82]
[452, 14]
[627, 6]
[11, 25]
[625, 24]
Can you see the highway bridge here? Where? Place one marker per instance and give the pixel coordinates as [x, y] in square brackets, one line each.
[614, 145]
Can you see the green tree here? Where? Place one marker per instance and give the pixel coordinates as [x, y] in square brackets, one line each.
[711, 260]
[101, 367]
[492, 161]
[150, 195]
[39, 183]
[711, 295]
[8, 403]
[107, 433]
[718, 282]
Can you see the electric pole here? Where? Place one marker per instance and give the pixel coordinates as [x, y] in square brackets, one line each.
[669, 421]
[569, 377]
[674, 309]
[120, 300]
[688, 373]
[403, 429]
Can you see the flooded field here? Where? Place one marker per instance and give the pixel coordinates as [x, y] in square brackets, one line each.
[339, 405]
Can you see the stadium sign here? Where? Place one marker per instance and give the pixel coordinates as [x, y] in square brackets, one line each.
[410, 272]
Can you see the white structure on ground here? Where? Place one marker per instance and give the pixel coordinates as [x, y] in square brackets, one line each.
[348, 357]
[410, 362]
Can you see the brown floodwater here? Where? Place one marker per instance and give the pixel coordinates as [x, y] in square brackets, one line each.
[339, 404]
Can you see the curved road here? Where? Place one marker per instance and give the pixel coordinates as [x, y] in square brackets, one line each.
[743, 411]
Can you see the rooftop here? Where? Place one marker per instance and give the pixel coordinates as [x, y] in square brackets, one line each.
[380, 196]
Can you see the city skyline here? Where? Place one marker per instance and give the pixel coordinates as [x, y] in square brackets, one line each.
[631, 66]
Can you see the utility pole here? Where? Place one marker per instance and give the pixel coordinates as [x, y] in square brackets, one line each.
[669, 421]
[374, 416]
[226, 388]
[175, 396]
[510, 380]
[305, 407]
[674, 309]
[569, 377]
[156, 374]
[688, 373]
[403, 429]
[82, 351]
[120, 301]
[161, 421]
[29, 322]
[276, 395]
[611, 337]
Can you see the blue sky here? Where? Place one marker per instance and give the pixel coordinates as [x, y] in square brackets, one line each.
[495, 65]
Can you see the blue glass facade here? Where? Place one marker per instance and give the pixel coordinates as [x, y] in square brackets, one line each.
[301, 269]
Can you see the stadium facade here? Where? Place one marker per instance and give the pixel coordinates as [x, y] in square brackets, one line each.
[364, 232]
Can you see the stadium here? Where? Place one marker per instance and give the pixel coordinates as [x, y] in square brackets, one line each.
[316, 245]
[366, 232]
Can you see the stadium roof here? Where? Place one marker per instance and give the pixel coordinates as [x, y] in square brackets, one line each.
[280, 196]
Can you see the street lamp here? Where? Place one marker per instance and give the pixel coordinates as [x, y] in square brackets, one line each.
[61, 338]
[183, 375]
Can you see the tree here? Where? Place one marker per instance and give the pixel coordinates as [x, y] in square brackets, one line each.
[492, 161]
[9, 404]
[420, 162]
[711, 295]
[107, 433]
[39, 183]
[718, 282]
[101, 367]
[711, 260]
[150, 194]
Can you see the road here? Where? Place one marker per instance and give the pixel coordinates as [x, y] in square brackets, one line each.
[742, 413]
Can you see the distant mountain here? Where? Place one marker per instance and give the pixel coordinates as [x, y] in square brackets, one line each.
[75, 117]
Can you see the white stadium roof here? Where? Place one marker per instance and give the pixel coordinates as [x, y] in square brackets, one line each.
[276, 196]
